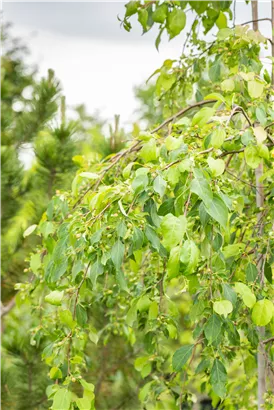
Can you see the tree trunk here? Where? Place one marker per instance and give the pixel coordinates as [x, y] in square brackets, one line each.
[260, 203]
[254, 5]
[272, 26]
[261, 330]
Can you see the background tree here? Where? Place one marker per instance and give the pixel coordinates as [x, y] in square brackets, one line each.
[34, 121]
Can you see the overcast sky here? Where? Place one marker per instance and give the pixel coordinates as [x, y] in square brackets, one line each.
[97, 61]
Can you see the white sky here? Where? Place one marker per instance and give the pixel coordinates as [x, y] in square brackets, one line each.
[97, 62]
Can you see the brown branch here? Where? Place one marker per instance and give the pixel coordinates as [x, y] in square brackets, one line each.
[269, 125]
[116, 159]
[5, 309]
[74, 315]
[171, 164]
[79, 288]
[271, 339]
[256, 20]
[239, 179]
[181, 112]
[237, 110]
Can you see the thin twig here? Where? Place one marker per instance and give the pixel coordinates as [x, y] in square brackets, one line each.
[74, 314]
[181, 112]
[255, 20]
[271, 339]
[239, 179]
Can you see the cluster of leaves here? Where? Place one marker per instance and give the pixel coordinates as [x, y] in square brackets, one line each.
[170, 16]
[171, 218]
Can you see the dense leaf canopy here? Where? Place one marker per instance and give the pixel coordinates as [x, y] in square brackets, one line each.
[161, 253]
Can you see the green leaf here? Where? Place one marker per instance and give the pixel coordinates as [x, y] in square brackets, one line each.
[176, 22]
[143, 303]
[262, 312]
[152, 237]
[172, 143]
[217, 137]
[213, 328]
[229, 294]
[160, 14]
[173, 264]
[203, 116]
[223, 307]
[140, 182]
[261, 115]
[95, 270]
[251, 156]
[263, 151]
[137, 239]
[29, 230]
[159, 185]
[120, 277]
[149, 152]
[233, 250]
[84, 403]
[131, 8]
[95, 238]
[268, 272]
[260, 134]
[248, 297]
[221, 21]
[117, 254]
[251, 272]
[54, 298]
[153, 311]
[35, 262]
[142, 18]
[217, 210]
[224, 33]
[200, 186]
[61, 400]
[55, 373]
[81, 315]
[89, 175]
[217, 242]
[144, 391]
[228, 85]
[93, 336]
[218, 378]
[66, 318]
[255, 89]
[173, 230]
[202, 366]
[214, 71]
[181, 356]
[199, 6]
[87, 386]
[189, 257]
[217, 166]
[132, 314]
